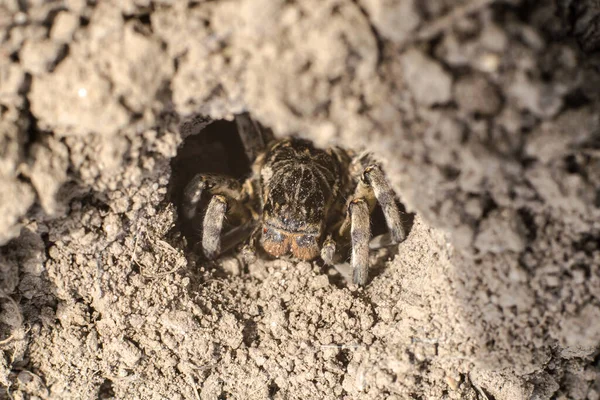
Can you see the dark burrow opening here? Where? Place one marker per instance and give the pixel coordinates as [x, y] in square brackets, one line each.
[216, 147]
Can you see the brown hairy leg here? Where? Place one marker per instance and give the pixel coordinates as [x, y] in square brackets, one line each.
[225, 203]
[387, 199]
[360, 234]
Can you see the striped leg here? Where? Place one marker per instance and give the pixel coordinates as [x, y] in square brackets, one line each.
[372, 187]
[374, 177]
[254, 137]
[360, 233]
[212, 226]
[223, 195]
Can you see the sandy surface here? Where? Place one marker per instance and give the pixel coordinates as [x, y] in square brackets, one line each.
[483, 113]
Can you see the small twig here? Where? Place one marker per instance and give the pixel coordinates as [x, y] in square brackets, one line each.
[135, 244]
[478, 388]
[341, 346]
[165, 247]
[445, 22]
[160, 274]
[193, 385]
[17, 310]
[7, 340]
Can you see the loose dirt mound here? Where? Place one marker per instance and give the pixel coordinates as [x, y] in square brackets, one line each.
[483, 113]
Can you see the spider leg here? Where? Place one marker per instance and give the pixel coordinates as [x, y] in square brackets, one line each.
[360, 234]
[210, 184]
[254, 137]
[237, 235]
[192, 194]
[214, 240]
[223, 195]
[373, 175]
[249, 250]
[372, 187]
[213, 225]
[328, 251]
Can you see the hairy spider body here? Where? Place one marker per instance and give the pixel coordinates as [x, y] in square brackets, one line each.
[301, 187]
[300, 201]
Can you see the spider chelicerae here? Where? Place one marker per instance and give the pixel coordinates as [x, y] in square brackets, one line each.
[299, 200]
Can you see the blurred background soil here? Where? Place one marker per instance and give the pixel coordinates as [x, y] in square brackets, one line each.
[484, 114]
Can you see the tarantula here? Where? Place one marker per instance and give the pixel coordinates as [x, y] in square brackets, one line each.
[299, 200]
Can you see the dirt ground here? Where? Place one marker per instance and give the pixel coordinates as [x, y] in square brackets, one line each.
[484, 114]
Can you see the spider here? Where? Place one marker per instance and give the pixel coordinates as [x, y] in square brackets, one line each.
[299, 200]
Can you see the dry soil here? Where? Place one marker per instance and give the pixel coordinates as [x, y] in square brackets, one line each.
[484, 114]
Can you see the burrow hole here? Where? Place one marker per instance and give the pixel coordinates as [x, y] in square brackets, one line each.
[216, 147]
[213, 147]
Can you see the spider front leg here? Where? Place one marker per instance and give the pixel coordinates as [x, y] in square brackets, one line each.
[373, 176]
[223, 195]
[360, 233]
[372, 187]
[358, 222]
[212, 226]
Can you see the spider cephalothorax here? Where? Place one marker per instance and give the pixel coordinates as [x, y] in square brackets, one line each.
[300, 201]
